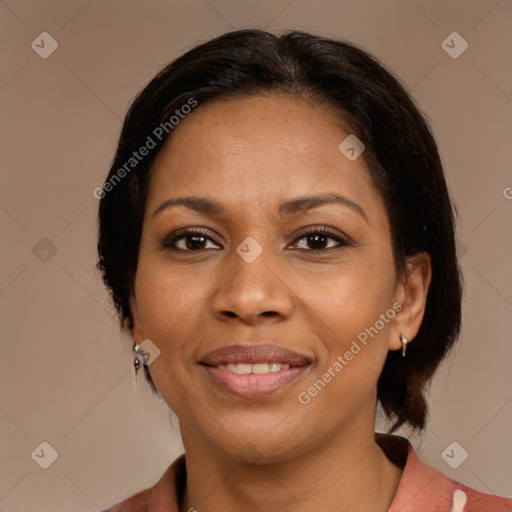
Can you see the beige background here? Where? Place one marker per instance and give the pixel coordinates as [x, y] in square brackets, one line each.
[65, 371]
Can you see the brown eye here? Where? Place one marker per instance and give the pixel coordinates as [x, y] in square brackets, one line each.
[320, 239]
[317, 241]
[188, 240]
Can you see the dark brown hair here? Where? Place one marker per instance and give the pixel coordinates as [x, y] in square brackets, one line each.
[401, 155]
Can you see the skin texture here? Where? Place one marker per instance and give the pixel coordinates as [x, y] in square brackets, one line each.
[273, 453]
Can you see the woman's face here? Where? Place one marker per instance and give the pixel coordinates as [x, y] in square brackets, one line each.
[260, 269]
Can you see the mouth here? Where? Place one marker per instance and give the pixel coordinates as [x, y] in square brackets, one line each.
[254, 371]
[249, 368]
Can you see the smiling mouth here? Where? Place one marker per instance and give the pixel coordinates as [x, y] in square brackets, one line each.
[254, 371]
[248, 368]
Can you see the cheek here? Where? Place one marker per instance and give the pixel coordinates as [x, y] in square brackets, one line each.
[355, 350]
[354, 296]
[166, 311]
[167, 303]
[166, 298]
[354, 311]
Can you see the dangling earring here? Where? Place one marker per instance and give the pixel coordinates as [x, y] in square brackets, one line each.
[404, 341]
[139, 356]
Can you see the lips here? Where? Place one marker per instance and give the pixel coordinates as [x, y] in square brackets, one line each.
[254, 354]
[254, 371]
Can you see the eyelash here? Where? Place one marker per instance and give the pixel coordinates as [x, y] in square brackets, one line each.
[169, 240]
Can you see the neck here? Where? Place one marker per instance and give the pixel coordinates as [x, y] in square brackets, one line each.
[350, 472]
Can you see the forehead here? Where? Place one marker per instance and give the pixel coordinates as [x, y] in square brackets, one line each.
[255, 149]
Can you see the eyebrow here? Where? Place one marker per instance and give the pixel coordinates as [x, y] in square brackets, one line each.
[289, 207]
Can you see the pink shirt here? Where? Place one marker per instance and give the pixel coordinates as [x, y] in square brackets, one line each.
[421, 489]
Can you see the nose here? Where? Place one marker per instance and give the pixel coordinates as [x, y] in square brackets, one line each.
[253, 292]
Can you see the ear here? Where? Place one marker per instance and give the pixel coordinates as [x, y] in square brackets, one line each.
[411, 293]
[137, 333]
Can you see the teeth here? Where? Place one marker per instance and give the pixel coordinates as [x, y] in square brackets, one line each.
[243, 369]
[258, 368]
[275, 367]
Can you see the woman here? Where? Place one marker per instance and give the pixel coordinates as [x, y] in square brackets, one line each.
[278, 238]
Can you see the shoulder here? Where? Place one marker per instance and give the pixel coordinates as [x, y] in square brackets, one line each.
[477, 501]
[446, 492]
[431, 488]
[426, 489]
[135, 503]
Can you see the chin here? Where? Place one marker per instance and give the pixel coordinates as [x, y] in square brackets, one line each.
[255, 445]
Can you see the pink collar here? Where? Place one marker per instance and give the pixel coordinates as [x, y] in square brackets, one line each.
[421, 489]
